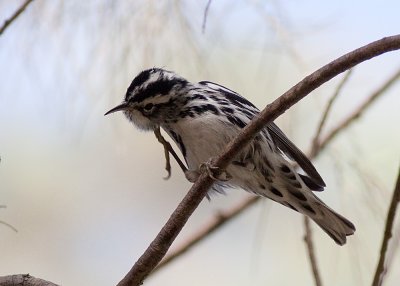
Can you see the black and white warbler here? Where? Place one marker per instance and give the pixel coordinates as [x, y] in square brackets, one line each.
[203, 117]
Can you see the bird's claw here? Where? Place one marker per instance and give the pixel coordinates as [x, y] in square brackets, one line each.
[213, 172]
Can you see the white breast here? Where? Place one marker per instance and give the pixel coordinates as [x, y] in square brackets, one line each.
[203, 138]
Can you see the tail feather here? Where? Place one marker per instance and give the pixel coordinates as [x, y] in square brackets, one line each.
[335, 225]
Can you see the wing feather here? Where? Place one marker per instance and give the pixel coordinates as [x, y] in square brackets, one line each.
[294, 153]
[314, 181]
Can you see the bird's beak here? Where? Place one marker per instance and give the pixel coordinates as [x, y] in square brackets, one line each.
[120, 107]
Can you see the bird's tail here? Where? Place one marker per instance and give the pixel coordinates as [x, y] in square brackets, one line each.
[335, 225]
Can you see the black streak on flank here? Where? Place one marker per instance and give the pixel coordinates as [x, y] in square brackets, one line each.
[159, 87]
[309, 208]
[296, 184]
[297, 194]
[292, 207]
[276, 192]
[178, 140]
[285, 169]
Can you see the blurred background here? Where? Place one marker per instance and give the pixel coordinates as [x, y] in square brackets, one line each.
[86, 192]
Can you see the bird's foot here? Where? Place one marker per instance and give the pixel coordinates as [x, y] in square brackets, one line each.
[213, 172]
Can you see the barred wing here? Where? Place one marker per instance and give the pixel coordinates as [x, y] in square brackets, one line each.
[314, 181]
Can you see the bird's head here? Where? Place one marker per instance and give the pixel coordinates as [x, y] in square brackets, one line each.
[154, 97]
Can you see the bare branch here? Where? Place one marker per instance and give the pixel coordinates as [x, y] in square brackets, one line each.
[214, 223]
[5, 223]
[203, 26]
[23, 279]
[311, 254]
[9, 225]
[358, 111]
[328, 109]
[308, 239]
[318, 146]
[219, 220]
[380, 269]
[19, 11]
[304, 87]
[160, 245]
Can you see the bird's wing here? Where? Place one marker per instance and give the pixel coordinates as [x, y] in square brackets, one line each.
[294, 153]
[314, 181]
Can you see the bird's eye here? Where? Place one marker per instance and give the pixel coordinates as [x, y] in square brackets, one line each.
[148, 107]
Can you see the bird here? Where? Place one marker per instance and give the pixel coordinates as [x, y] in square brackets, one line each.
[203, 117]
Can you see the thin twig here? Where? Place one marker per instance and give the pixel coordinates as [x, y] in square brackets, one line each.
[358, 111]
[311, 251]
[308, 238]
[219, 220]
[203, 26]
[18, 12]
[160, 245]
[380, 269]
[5, 223]
[328, 109]
[9, 225]
[393, 250]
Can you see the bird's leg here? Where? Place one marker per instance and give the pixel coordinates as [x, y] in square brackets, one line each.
[191, 175]
[168, 149]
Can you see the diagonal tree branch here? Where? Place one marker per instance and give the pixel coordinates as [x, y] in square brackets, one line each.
[328, 109]
[18, 12]
[380, 269]
[219, 220]
[234, 211]
[160, 245]
[359, 111]
[303, 88]
[231, 213]
[311, 251]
